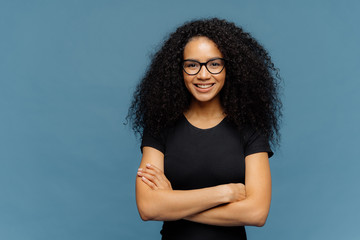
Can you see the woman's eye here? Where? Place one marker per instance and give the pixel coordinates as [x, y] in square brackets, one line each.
[191, 65]
[214, 64]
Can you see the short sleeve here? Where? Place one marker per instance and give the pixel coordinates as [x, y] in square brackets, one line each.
[255, 142]
[148, 140]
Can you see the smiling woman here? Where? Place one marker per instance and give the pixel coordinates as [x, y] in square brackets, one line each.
[207, 107]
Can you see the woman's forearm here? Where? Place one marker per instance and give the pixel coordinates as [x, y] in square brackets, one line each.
[170, 205]
[246, 212]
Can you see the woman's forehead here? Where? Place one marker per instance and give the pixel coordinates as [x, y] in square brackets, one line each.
[201, 49]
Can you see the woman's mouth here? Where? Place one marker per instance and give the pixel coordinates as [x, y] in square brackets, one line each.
[204, 86]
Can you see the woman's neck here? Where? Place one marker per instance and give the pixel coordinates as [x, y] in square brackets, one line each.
[205, 110]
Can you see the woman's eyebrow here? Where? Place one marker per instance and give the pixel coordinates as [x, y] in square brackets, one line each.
[191, 59]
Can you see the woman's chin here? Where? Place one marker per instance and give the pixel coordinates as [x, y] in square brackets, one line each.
[205, 98]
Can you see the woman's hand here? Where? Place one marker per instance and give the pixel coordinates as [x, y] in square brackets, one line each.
[237, 192]
[154, 177]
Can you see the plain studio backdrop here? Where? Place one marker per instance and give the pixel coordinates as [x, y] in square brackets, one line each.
[67, 73]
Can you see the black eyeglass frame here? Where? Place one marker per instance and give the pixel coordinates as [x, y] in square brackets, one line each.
[203, 64]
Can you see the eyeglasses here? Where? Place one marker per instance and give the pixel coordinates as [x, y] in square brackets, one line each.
[214, 66]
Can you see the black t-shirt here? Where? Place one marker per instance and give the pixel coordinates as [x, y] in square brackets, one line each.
[197, 158]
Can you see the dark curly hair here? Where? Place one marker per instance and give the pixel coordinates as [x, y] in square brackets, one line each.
[250, 95]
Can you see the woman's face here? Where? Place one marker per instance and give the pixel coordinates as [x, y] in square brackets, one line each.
[203, 86]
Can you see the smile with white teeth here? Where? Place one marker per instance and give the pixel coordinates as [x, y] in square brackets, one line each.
[204, 85]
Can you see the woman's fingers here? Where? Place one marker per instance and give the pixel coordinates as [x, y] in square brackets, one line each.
[149, 183]
[156, 176]
[149, 177]
[154, 171]
[152, 176]
[154, 168]
[160, 174]
[149, 171]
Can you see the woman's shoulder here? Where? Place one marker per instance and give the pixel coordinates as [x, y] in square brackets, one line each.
[158, 138]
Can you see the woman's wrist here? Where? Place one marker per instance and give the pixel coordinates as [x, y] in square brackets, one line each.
[226, 193]
[234, 192]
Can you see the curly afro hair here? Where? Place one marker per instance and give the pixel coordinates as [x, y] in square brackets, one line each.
[250, 96]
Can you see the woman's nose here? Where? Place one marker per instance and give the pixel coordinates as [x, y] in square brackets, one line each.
[204, 73]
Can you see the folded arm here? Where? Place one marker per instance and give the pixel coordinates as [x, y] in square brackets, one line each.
[254, 209]
[167, 204]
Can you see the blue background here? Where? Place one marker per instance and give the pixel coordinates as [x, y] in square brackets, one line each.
[67, 73]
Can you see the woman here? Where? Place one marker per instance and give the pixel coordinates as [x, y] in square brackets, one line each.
[207, 107]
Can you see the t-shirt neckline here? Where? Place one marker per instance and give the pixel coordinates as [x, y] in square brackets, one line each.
[204, 129]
